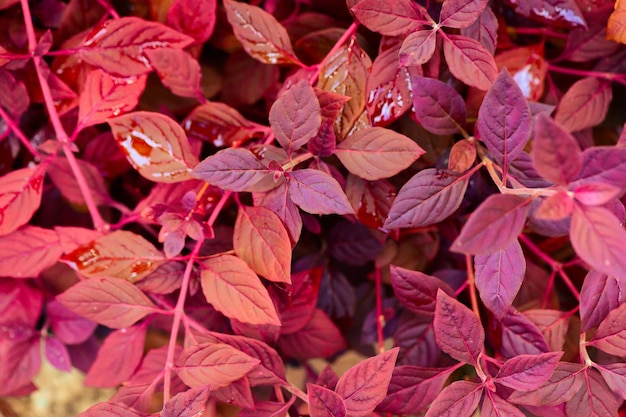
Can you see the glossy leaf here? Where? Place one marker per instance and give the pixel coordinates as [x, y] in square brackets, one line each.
[233, 169]
[459, 399]
[418, 48]
[388, 19]
[528, 372]
[469, 61]
[416, 290]
[459, 13]
[318, 193]
[178, 71]
[20, 196]
[189, 403]
[324, 402]
[28, 251]
[599, 295]
[584, 105]
[201, 26]
[438, 107]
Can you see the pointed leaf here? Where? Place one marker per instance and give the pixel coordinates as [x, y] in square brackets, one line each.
[565, 381]
[28, 251]
[233, 169]
[460, 13]
[458, 399]
[20, 197]
[57, 354]
[324, 402]
[611, 334]
[596, 194]
[63, 177]
[190, 403]
[602, 164]
[553, 324]
[595, 399]
[556, 154]
[178, 71]
[555, 207]
[615, 376]
[201, 26]
[399, 18]
[318, 193]
[585, 104]
[278, 201]
[418, 48]
[494, 406]
[521, 336]
[416, 290]
[69, 327]
[319, 338]
[599, 295]
[484, 30]
[528, 372]
[469, 61]
[438, 107]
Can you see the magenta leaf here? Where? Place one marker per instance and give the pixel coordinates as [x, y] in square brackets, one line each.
[377, 153]
[418, 48]
[527, 372]
[504, 119]
[614, 375]
[295, 116]
[318, 193]
[459, 399]
[319, 338]
[15, 98]
[327, 378]
[28, 251]
[555, 207]
[521, 336]
[438, 107]
[69, 327]
[325, 403]
[562, 385]
[57, 354]
[499, 276]
[484, 30]
[399, 18]
[596, 194]
[553, 324]
[469, 61]
[585, 104]
[20, 196]
[189, 403]
[594, 399]
[416, 290]
[611, 334]
[602, 165]
[111, 409]
[556, 154]
[494, 406]
[459, 13]
[237, 393]
[233, 169]
[458, 331]
[599, 295]
[201, 26]
[364, 385]
[494, 225]
[427, 198]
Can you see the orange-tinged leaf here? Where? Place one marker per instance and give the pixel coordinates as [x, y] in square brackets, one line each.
[28, 251]
[155, 145]
[20, 197]
[616, 27]
[178, 71]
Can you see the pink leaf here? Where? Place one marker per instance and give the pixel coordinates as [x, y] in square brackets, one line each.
[416, 290]
[278, 201]
[233, 169]
[494, 406]
[364, 385]
[460, 13]
[178, 71]
[596, 194]
[28, 251]
[237, 393]
[438, 107]
[565, 381]
[190, 403]
[57, 354]
[377, 153]
[469, 61]
[69, 327]
[458, 399]
[495, 225]
[553, 325]
[599, 295]
[602, 164]
[528, 372]
[20, 197]
[261, 35]
[325, 403]
[427, 198]
[295, 116]
[614, 375]
[117, 45]
[109, 409]
[611, 334]
[418, 48]
[261, 240]
[194, 18]
[319, 338]
[234, 290]
[399, 18]
[109, 301]
[155, 145]
[213, 364]
[585, 104]
[318, 193]
[458, 331]
[118, 357]
[595, 399]
[62, 176]
[484, 30]
[555, 207]
[499, 276]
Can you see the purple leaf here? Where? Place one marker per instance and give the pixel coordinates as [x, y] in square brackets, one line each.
[415, 336]
[318, 193]
[611, 334]
[364, 385]
[553, 324]
[564, 383]
[234, 169]
[494, 225]
[327, 378]
[521, 336]
[556, 154]
[458, 399]
[189, 403]
[427, 198]
[557, 13]
[325, 403]
[585, 104]
[418, 48]
[614, 375]
[469, 61]
[599, 295]
[527, 372]
[595, 399]
[458, 331]
[353, 243]
[605, 165]
[484, 30]
[499, 277]
[504, 119]
[460, 13]
[494, 406]
[399, 18]
[416, 290]
[69, 327]
[438, 107]
[57, 354]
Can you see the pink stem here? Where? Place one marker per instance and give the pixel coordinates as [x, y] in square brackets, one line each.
[18, 132]
[584, 73]
[380, 315]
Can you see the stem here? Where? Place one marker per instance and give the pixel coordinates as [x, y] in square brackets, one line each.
[471, 283]
[18, 132]
[584, 73]
[380, 316]
[110, 10]
[546, 295]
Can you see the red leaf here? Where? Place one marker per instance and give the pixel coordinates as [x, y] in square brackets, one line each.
[104, 96]
[611, 334]
[460, 13]
[377, 153]
[556, 154]
[13, 94]
[598, 238]
[28, 251]
[399, 18]
[234, 290]
[438, 107]
[416, 290]
[117, 45]
[295, 116]
[20, 197]
[63, 177]
[484, 30]
[57, 354]
[599, 295]
[458, 399]
[318, 193]
[109, 301]
[69, 327]
[418, 48]
[585, 104]
[499, 276]
[120, 254]
[458, 331]
[109, 409]
[118, 357]
[370, 199]
[278, 201]
[178, 71]
[155, 145]
[261, 35]
[190, 403]
[527, 372]
[325, 403]
[364, 386]
[319, 338]
[213, 364]
[194, 18]
[297, 304]
[469, 61]
[261, 240]
[565, 381]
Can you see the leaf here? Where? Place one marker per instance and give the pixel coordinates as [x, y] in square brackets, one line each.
[416, 290]
[555, 207]
[614, 375]
[602, 164]
[233, 169]
[565, 381]
[595, 399]
[261, 35]
[297, 306]
[459, 13]
[14, 95]
[324, 402]
[494, 226]
[261, 240]
[458, 399]
[269, 409]
[616, 26]
[418, 48]
[599, 295]
[278, 201]
[295, 117]
[120, 254]
[427, 198]
[596, 194]
[585, 104]
[499, 276]
[213, 364]
[458, 331]
[370, 199]
[110, 409]
[553, 325]
[597, 237]
[109, 301]
[63, 177]
[105, 96]
[155, 145]
[438, 107]
[527, 372]
[364, 386]
[28, 251]
[234, 290]
[494, 406]
[319, 338]
[20, 197]
[462, 156]
[189, 403]
[238, 393]
[353, 243]
[377, 153]
[521, 336]
[399, 18]
[69, 327]
[504, 119]
[178, 71]
[118, 357]
[318, 193]
[117, 45]
[201, 26]
[469, 61]
[611, 334]
[484, 30]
